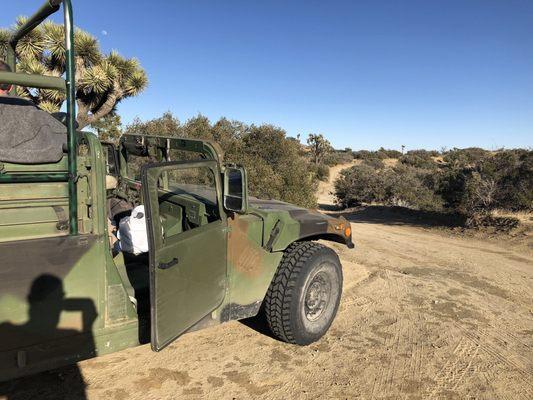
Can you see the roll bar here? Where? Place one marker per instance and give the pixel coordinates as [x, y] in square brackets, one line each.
[34, 81]
[48, 82]
[47, 9]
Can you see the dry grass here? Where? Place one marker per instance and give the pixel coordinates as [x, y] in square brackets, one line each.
[390, 162]
[525, 217]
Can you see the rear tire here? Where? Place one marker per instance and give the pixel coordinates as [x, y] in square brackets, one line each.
[304, 294]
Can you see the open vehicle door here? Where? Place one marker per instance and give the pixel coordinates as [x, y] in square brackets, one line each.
[187, 232]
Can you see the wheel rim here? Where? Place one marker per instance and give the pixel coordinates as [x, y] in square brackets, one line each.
[317, 296]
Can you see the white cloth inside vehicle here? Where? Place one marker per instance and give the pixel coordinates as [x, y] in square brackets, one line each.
[132, 234]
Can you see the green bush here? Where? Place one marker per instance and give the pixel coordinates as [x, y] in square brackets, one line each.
[380, 154]
[359, 184]
[451, 186]
[419, 159]
[471, 182]
[489, 181]
[464, 157]
[376, 163]
[386, 153]
[366, 155]
[411, 187]
[277, 168]
[512, 171]
[338, 157]
[401, 186]
[321, 171]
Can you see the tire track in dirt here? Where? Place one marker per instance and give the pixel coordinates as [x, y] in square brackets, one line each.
[456, 370]
[469, 355]
[400, 342]
[522, 376]
[412, 383]
[474, 355]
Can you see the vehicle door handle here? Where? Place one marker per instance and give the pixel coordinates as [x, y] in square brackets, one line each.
[169, 264]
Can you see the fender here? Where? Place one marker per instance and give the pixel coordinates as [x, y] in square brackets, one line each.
[285, 223]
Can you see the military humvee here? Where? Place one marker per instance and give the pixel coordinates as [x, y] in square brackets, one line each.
[215, 254]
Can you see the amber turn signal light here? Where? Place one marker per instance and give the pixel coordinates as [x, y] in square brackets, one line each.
[347, 231]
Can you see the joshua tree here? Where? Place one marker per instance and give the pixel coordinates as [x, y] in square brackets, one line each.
[102, 80]
[319, 147]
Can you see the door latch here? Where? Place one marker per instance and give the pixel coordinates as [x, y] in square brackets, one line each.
[169, 264]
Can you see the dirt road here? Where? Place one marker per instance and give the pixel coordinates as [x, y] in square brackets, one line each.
[325, 189]
[425, 315]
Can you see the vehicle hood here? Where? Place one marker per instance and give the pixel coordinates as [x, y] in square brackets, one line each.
[296, 223]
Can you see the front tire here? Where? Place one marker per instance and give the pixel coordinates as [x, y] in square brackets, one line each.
[304, 294]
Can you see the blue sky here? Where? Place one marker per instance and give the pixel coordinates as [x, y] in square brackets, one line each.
[424, 73]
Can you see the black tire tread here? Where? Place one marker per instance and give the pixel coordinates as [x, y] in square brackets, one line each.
[279, 294]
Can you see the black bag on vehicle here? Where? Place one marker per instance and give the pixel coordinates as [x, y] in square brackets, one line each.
[29, 135]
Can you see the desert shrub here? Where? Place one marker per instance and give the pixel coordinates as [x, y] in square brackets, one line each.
[467, 191]
[501, 180]
[366, 154]
[376, 163]
[513, 172]
[451, 186]
[485, 220]
[479, 195]
[276, 167]
[403, 186]
[379, 154]
[322, 172]
[387, 153]
[411, 187]
[471, 183]
[419, 159]
[464, 157]
[360, 154]
[338, 157]
[359, 184]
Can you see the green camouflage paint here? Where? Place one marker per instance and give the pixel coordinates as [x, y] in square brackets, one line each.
[90, 300]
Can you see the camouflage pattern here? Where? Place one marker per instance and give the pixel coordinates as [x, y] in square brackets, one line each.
[65, 298]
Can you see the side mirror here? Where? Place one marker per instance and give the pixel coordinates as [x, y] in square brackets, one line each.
[235, 189]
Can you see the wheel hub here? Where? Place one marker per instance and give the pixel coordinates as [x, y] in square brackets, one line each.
[317, 296]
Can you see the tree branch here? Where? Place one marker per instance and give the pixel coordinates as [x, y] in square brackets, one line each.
[84, 118]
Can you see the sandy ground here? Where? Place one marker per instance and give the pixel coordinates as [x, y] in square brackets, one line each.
[325, 189]
[425, 314]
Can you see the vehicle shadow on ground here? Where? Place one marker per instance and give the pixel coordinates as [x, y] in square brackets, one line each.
[47, 301]
[329, 207]
[401, 216]
[64, 383]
